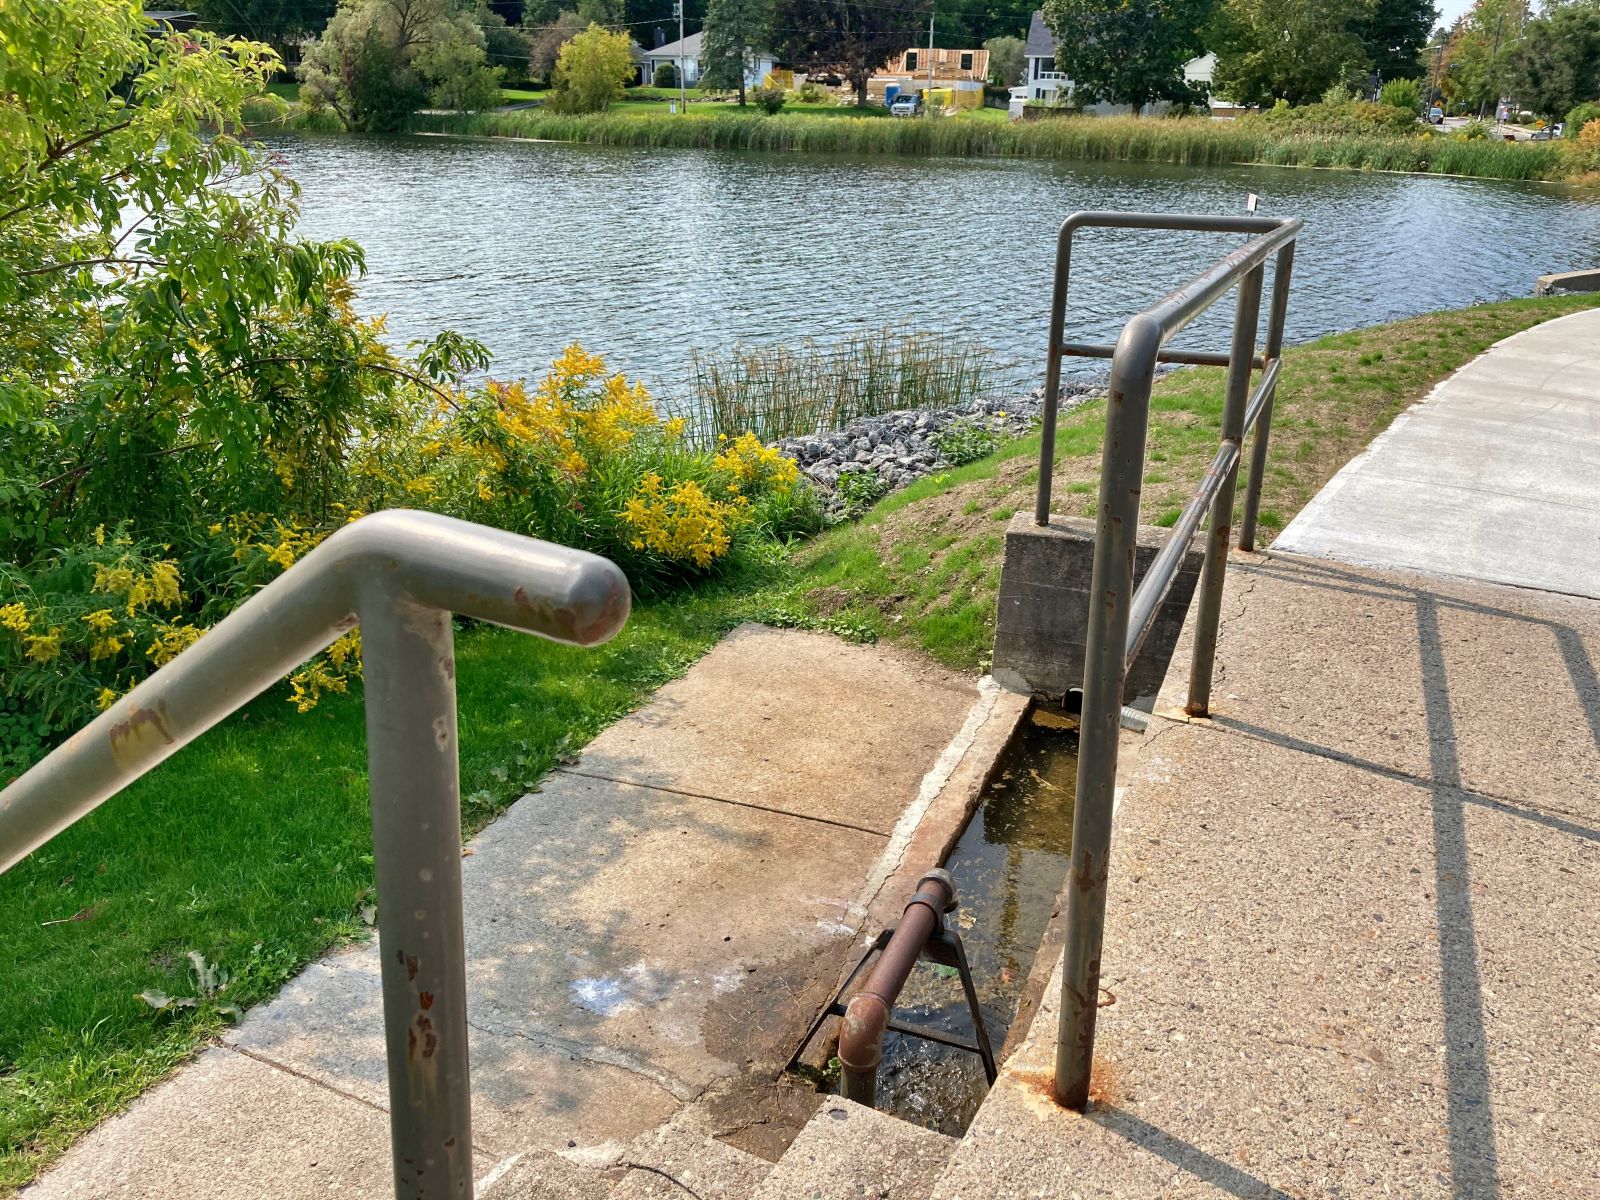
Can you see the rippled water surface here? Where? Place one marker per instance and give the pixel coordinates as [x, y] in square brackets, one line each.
[645, 254]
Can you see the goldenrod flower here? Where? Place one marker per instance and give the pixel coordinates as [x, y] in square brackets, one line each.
[15, 618]
[42, 647]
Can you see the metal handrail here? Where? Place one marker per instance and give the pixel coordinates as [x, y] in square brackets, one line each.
[400, 575]
[1120, 617]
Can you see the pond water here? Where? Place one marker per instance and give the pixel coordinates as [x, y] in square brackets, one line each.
[647, 254]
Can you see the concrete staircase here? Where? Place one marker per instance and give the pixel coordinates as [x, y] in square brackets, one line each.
[845, 1152]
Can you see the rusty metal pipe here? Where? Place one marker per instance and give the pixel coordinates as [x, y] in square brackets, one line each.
[866, 1018]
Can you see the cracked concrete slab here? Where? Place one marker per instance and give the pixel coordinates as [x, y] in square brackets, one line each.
[214, 1131]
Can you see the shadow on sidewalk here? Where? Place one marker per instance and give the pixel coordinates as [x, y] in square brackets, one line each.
[1475, 1167]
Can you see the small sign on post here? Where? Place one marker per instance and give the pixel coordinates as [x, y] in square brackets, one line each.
[1250, 203]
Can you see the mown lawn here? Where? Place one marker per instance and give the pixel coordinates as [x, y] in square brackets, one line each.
[253, 846]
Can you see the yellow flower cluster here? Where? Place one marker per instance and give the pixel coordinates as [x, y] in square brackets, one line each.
[15, 618]
[160, 585]
[308, 685]
[577, 410]
[682, 522]
[755, 467]
[171, 640]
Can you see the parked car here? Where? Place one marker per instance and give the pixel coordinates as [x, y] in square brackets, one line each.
[1436, 115]
[906, 106]
[1543, 135]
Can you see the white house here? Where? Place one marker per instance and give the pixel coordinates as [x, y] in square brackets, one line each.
[1044, 82]
[762, 65]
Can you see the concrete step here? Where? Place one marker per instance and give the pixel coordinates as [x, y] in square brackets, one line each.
[847, 1152]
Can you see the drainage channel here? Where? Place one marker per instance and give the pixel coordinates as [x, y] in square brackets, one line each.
[1008, 866]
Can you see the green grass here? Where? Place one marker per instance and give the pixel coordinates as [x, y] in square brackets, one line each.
[923, 566]
[1192, 141]
[253, 846]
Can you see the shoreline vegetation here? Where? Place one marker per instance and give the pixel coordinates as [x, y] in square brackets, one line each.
[1180, 141]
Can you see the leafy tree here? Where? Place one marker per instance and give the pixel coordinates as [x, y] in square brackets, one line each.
[282, 24]
[1393, 33]
[505, 46]
[591, 71]
[1475, 69]
[1126, 52]
[736, 33]
[853, 37]
[547, 42]
[1557, 64]
[1293, 50]
[1402, 93]
[166, 350]
[380, 60]
[1008, 60]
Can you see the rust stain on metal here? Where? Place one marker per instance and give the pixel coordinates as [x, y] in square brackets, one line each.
[426, 999]
[140, 733]
[411, 966]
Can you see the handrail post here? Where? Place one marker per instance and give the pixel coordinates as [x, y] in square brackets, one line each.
[1214, 571]
[1105, 667]
[1282, 270]
[409, 669]
[1052, 373]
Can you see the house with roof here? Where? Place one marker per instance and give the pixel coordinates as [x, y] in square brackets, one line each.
[763, 63]
[962, 73]
[1044, 82]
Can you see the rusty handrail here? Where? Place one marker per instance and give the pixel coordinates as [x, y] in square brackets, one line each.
[400, 575]
[1120, 615]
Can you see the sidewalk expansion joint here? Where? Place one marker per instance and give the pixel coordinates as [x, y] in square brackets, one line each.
[781, 812]
[477, 1146]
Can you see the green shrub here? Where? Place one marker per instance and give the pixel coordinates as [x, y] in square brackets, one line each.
[814, 93]
[964, 442]
[1580, 116]
[859, 490]
[1473, 131]
[1402, 93]
[666, 76]
[770, 98]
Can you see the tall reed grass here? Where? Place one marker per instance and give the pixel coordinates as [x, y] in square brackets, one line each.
[786, 391]
[1197, 141]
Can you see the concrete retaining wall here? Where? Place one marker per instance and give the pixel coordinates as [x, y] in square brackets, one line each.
[1043, 622]
[1568, 281]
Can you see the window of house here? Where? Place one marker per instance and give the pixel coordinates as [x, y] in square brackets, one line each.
[911, 60]
[1046, 65]
[966, 62]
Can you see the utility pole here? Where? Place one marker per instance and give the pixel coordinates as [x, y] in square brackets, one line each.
[683, 95]
[1494, 69]
[929, 111]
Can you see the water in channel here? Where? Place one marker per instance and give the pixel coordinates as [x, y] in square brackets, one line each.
[647, 254]
[1008, 867]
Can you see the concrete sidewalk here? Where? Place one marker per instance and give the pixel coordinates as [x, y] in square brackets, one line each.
[1495, 476]
[655, 928]
[1352, 942]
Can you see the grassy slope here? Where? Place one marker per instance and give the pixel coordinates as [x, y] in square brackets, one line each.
[253, 845]
[924, 565]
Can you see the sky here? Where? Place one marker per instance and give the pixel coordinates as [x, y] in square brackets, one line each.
[1449, 10]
